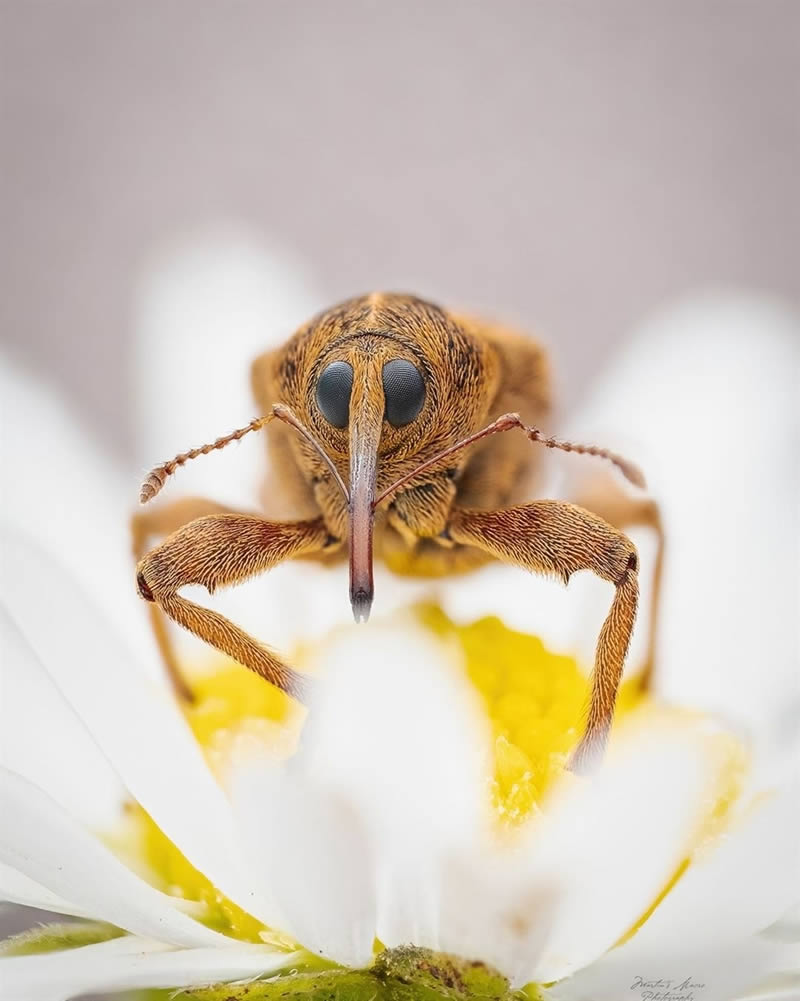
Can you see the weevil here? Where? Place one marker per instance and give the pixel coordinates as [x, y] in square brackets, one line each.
[403, 432]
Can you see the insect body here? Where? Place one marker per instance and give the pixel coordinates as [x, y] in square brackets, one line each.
[401, 432]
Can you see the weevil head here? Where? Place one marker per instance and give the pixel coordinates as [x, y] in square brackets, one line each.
[383, 382]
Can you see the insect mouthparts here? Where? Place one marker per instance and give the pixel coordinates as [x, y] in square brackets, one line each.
[361, 602]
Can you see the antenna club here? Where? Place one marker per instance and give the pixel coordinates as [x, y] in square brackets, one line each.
[158, 477]
[632, 473]
[152, 485]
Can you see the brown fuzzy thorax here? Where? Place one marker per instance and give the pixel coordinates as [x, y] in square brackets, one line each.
[467, 374]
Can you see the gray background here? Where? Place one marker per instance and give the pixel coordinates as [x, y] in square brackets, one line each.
[568, 165]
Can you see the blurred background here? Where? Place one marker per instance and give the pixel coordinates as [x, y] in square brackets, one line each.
[565, 165]
[184, 182]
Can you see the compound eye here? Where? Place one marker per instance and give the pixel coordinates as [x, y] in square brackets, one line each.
[333, 393]
[403, 390]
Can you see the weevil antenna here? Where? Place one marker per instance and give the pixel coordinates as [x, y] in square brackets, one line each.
[508, 422]
[158, 477]
[288, 416]
[629, 469]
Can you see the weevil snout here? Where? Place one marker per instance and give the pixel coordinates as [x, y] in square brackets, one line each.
[366, 421]
[361, 603]
[359, 394]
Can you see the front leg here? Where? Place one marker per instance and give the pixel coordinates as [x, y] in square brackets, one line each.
[606, 498]
[217, 551]
[147, 524]
[553, 537]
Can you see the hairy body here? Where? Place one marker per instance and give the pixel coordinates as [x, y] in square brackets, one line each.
[399, 406]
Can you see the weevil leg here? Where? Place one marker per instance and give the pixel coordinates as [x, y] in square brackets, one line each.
[156, 522]
[216, 551]
[604, 497]
[556, 538]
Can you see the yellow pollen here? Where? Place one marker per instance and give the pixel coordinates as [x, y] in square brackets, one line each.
[535, 700]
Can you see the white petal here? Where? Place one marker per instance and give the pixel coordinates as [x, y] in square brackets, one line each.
[493, 910]
[311, 857]
[209, 304]
[776, 987]
[614, 839]
[34, 720]
[129, 963]
[524, 601]
[705, 400]
[136, 725]
[71, 497]
[41, 840]
[787, 927]
[274, 607]
[737, 885]
[721, 973]
[396, 726]
[16, 888]
[398, 733]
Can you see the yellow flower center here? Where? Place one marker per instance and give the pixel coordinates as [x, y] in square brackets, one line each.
[534, 699]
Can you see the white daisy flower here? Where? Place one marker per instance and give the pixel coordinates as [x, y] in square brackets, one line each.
[378, 826]
[415, 835]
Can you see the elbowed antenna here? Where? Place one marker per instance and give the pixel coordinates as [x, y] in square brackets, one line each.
[158, 477]
[288, 416]
[508, 422]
